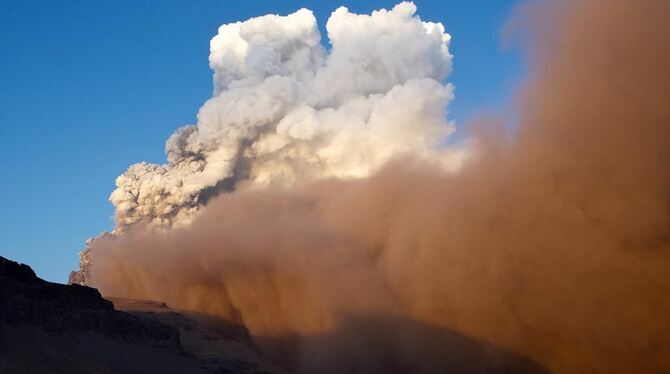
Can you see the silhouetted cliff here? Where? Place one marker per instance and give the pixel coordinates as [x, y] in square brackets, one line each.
[53, 328]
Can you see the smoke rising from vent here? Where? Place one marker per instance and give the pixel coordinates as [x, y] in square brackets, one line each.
[285, 110]
[554, 244]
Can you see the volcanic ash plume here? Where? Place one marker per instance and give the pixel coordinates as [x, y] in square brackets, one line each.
[285, 110]
[552, 242]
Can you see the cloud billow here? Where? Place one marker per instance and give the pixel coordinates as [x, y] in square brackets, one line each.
[285, 110]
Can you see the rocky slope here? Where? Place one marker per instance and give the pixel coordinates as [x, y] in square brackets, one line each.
[53, 328]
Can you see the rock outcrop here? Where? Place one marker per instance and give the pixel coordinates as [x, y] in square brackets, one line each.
[54, 328]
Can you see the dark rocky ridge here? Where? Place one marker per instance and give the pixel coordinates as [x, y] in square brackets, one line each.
[54, 328]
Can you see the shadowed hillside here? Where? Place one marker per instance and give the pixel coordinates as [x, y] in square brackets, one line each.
[53, 328]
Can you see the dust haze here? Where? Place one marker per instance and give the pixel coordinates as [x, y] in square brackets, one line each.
[552, 239]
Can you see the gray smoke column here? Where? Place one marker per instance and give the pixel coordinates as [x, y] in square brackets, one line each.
[553, 242]
[285, 110]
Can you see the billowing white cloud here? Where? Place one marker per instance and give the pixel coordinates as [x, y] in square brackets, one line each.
[284, 109]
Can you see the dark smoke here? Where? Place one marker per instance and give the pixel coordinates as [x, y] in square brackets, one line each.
[554, 245]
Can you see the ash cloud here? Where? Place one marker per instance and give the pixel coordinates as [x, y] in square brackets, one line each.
[554, 244]
[286, 110]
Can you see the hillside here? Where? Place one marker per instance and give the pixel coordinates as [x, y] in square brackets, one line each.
[53, 328]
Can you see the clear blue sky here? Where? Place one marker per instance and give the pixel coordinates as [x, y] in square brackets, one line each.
[88, 87]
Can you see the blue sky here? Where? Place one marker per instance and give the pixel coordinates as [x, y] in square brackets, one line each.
[88, 87]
